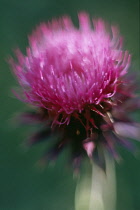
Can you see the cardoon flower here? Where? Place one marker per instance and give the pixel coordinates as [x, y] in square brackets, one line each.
[77, 80]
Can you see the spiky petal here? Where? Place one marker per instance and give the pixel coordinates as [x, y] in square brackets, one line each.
[76, 78]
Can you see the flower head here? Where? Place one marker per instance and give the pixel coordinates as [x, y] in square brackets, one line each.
[76, 79]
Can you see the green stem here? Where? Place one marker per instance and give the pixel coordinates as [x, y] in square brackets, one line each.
[97, 191]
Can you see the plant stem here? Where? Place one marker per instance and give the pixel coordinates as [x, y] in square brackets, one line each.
[97, 190]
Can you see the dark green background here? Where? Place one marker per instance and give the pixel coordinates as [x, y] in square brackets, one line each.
[23, 185]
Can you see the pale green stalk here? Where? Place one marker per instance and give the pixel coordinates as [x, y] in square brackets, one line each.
[97, 191]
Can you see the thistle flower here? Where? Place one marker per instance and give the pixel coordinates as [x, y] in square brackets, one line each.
[76, 79]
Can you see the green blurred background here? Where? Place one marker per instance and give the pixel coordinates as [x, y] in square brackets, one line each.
[23, 185]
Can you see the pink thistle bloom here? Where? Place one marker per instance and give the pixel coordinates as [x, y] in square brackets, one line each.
[76, 78]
